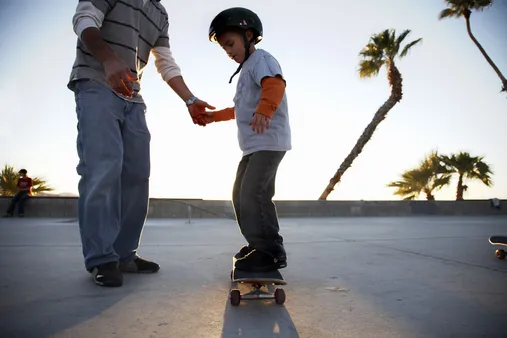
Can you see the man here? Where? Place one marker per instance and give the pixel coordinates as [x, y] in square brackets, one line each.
[115, 39]
[24, 185]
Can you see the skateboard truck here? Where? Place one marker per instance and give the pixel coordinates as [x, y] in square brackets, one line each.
[263, 286]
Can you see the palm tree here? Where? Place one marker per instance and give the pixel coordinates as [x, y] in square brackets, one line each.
[9, 179]
[431, 175]
[382, 49]
[466, 166]
[458, 8]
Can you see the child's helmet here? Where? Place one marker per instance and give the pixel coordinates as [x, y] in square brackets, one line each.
[236, 17]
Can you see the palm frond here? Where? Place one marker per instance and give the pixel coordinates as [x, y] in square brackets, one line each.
[458, 8]
[382, 49]
[370, 68]
[480, 5]
[449, 13]
[441, 182]
[402, 36]
[407, 47]
[397, 42]
[372, 51]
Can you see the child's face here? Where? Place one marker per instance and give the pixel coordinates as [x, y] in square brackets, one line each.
[234, 46]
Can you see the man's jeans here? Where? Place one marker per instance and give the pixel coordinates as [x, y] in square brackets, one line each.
[252, 196]
[113, 146]
[20, 198]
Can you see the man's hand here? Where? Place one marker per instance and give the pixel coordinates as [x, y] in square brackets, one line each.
[259, 123]
[117, 73]
[119, 76]
[198, 113]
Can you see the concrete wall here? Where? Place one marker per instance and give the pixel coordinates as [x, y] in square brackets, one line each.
[66, 207]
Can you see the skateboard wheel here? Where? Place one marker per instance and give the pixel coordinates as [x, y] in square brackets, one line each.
[501, 254]
[279, 296]
[235, 297]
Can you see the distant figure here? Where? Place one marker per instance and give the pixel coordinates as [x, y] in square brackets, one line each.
[24, 185]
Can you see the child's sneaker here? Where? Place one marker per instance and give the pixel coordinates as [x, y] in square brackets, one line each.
[139, 265]
[107, 274]
[259, 261]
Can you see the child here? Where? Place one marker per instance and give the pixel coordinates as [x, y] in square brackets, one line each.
[261, 113]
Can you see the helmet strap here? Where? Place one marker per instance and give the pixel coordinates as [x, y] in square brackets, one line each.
[247, 54]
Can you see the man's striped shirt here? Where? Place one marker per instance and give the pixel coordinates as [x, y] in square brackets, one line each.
[133, 29]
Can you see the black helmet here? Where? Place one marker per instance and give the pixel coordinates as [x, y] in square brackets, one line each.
[22, 171]
[236, 17]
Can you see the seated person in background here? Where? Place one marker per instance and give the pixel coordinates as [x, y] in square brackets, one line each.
[24, 185]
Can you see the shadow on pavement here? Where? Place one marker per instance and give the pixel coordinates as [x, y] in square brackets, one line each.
[256, 318]
[45, 290]
[51, 311]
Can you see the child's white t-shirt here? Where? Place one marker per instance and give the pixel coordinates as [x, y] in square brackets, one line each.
[260, 64]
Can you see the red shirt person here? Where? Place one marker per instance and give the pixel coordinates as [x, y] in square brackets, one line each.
[24, 185]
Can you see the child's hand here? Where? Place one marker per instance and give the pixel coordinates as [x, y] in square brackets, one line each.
[206, 117]
[259, 123]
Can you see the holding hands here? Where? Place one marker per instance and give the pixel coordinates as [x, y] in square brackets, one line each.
[198, 112]
[259, 122]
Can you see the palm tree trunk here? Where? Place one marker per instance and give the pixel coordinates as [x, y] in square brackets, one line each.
[429, 196]
[486, 56]
[395, 80]
[459, 189]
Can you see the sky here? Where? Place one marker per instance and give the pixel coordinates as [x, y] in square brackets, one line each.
[451, 103]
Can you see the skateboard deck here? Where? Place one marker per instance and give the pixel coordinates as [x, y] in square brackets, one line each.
[501, 241]
[260, 285]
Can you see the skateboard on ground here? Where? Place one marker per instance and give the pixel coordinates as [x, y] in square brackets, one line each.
[502, 241]
[261, 285]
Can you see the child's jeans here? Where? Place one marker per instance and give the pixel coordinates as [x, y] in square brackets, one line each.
[252, 196]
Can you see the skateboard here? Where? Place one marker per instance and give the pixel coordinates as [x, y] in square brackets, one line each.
[262, 285]
[502, 241]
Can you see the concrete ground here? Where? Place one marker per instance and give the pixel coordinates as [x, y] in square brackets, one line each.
[347, 277]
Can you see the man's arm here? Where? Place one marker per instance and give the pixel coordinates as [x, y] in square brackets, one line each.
[167, 67]
[171, 73]
[86, 22]
[96, 45]
[89, 14]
